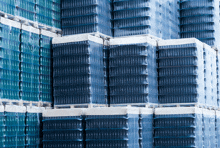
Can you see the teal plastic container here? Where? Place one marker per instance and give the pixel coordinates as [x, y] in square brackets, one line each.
[9, 44]
[30, 38]
[44, 20]
[44, 11]
[56, 24]
[46, 79]
[29, 96]
[29, 68]
[8, 84]
[24, 4]
[29, 58]
[45, 97]
[9, 94]
[56, 15]
[10, 9]
[27, 48]
[9, 74]
[25, 14]
[10, 32]
[45, 70]
[10, 2]
[30, 87]
[14, 119]
[45, 61]
[45, 42]
[29, 77]
[45, 88]
[9, 54]
[56, 7]
[9, 64]
[15, 141]
[45, 52]
[14, 130]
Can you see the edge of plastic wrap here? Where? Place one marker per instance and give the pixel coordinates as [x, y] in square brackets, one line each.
[217, 113]
[77, 38]
[206, 46]
[146, 111]
[133, 40]
[62, 112]
[179, 42]
[2, 108]
[10, 23]
[16, 109]
[112, 111]
[48, 33]
[178, 110]
[208, 112]
[30, 29]
[34, 109]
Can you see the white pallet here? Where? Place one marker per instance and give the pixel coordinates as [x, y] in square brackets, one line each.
[79, 106]
[146, 105]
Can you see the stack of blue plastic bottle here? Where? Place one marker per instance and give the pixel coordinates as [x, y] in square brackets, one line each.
[63, 128]
[146, 17]
[181, 71]
[78, 76]
[2, 126]
[48, 12]
[209, 128]
[200, 19]
[15, 126]
[42, 11]
[210, 78]
[46, 65]
[25, 9]
[133, 71]
[7, 6]
[9, 68]
[29, 66]
[106, 68]
[112, 127]
[86, 16]
[217, 126]
[146, 128]
[178, 127]
[33, 127]
[218, 77]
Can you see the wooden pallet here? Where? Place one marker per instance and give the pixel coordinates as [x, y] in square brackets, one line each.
[30, 23]
[79, 106]
[146, 105]
[188, 105]
[25, 103]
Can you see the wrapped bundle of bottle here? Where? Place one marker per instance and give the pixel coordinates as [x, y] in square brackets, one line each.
[48, 12]
[209, 134]
[42, 11]
[78, 76]
[178, 127]
[146, 17]
[146, 128]
[33, 123]
[14, 126]
[200, 19]
[217, 125]
[29, 66]
[181, 71]
[133, 71]
[112, 127]
[10, 41]
[46, 65]
[210, 76]
[63, 128]
[218, 77]
[86, 16]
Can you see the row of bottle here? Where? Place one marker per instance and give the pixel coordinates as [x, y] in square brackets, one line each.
[92, 16]
[185, 126]
[97, 127]
[20, 126]
[78, 68]
[34, 10]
